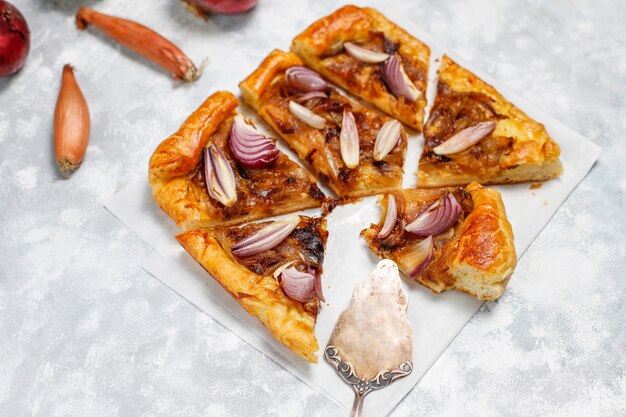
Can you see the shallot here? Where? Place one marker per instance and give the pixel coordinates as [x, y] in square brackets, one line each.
[142, 40]
[71, 124]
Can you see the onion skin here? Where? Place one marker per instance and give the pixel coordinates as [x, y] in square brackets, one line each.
[14, 39]
[71, 124]
[142, 40]
[203, 8]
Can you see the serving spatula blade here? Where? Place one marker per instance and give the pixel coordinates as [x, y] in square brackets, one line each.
[372, 343]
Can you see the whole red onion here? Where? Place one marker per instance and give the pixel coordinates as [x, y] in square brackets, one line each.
[204, 7]
[14, 39]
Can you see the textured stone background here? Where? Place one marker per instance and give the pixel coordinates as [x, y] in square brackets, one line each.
[85, 332]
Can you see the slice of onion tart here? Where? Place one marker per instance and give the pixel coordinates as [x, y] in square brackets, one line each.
[447, 238]
[353, 149]
[369, 56]
[219, 169]
[273, 270]
[474, 134]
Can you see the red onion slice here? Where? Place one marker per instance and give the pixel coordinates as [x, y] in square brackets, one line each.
[318, 283]
[251, 148]
[219, 176]
[308, 96]
[303, 79]
[437, 218]
[417, 259]
[390, 217]
[299, 286]
[386, 139]
[349, 140]
[398, 82]
[266, 238]
[306, 116]
[465, 139]
[365, 55]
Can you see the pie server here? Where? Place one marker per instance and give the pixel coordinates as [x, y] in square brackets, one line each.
[372, 343]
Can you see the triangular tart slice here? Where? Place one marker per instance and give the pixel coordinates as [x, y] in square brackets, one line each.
[371, 57]
[257, 281]
[475, 134]
[180, 180]
[317, 124]
[464, 244]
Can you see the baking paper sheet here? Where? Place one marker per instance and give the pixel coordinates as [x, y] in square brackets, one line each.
[436, 319]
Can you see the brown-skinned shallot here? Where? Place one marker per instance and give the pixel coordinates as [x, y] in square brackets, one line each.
[71, 124]
[142, 40]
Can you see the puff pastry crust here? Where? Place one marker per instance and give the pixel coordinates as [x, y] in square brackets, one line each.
[176, 174]
[320, 46]
[267, 92]
[251, 283]
[518, 150]
[476, 255]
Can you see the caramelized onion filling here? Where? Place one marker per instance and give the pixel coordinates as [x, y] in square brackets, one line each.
[452, 113]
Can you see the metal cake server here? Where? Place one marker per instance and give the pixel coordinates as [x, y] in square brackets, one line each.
[372, 343]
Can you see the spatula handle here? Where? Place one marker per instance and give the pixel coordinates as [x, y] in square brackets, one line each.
[357, 405]
[362, 386]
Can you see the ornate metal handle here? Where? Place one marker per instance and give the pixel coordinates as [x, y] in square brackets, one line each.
[357, 406]
[362, 386]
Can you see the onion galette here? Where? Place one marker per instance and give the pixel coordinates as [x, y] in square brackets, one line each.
[273, 269]
[475, 134]
[351, 148]
[218, 169]
[447, 238]
[371, 57]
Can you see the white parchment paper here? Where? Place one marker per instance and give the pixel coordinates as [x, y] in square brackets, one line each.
[436, 319]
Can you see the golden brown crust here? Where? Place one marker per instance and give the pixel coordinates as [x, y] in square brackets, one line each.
[320, 47]
[260, 295]
[478, 254]
[485, 247]
[265, 91]
[176, 187]
[253, 87]
[518, 150]
[179, 154]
